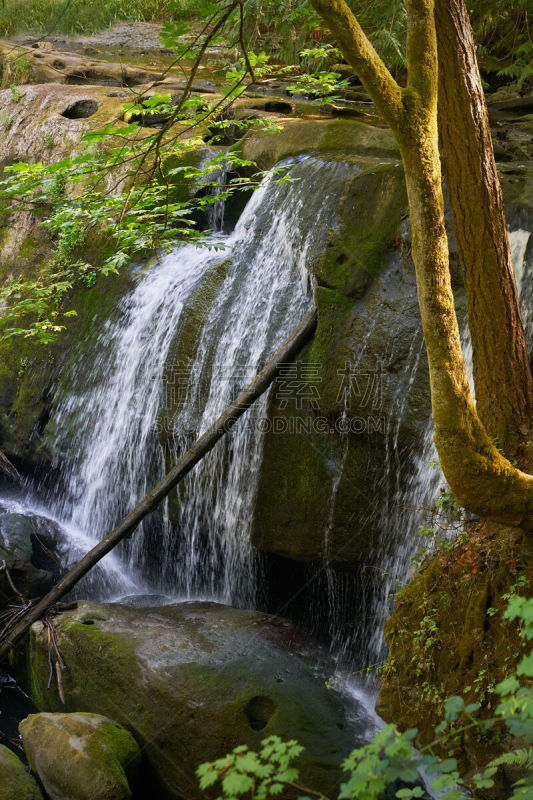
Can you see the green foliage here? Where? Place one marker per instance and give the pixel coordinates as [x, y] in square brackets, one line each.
[503, 38]
[446, 527]
[6, 120]
[501, 30]
[81, 16]
[15, 70]
[244, 772]
[132, 187]
[390, 756]
[16, 93]
[293, 29]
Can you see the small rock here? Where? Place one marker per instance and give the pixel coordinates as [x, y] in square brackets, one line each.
[80, 756]
[15, 782]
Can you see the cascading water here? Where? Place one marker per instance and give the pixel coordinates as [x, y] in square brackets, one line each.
[110, 444]
[112, 453]
[521, 241]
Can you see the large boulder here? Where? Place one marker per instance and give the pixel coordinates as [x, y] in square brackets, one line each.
[15, 782]
[80, 756]
[192, 681]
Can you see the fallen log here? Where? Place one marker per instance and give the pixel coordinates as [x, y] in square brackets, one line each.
[12, 634]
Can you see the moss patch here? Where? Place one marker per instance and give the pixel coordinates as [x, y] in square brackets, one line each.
[331, 347]
[80, 756]
[370, 215]
[15, 783]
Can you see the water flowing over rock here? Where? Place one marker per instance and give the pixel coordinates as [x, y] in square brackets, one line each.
[312, 505]
[173, 335]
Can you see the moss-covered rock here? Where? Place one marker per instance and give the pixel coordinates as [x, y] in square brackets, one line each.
[447, 636]
[368, 224]
[299, 136]
[193, 681]
[15, 782]
[80, 756]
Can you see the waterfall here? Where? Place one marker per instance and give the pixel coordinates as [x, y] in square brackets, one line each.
[130, 406]
[108, 425]
[520, 242]
[112, 453]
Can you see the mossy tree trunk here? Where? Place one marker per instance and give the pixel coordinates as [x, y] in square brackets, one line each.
[502, 375]
[480, 477]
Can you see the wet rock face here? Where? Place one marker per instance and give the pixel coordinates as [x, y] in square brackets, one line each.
[195, 680]
[15, 782]
[80, 756]
[363, 386]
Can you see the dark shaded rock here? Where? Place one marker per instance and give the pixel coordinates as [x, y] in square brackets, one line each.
[81, 109]
[346, 72]
[275, 107]
[27, 552]
[325, 463]
[523, 104]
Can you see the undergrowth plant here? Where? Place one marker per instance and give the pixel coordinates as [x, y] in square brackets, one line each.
[391, 757]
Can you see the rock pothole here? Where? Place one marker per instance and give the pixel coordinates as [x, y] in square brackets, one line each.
[81, 109]
[260, 711]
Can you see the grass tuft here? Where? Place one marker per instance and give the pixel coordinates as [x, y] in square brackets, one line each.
[82, 16]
